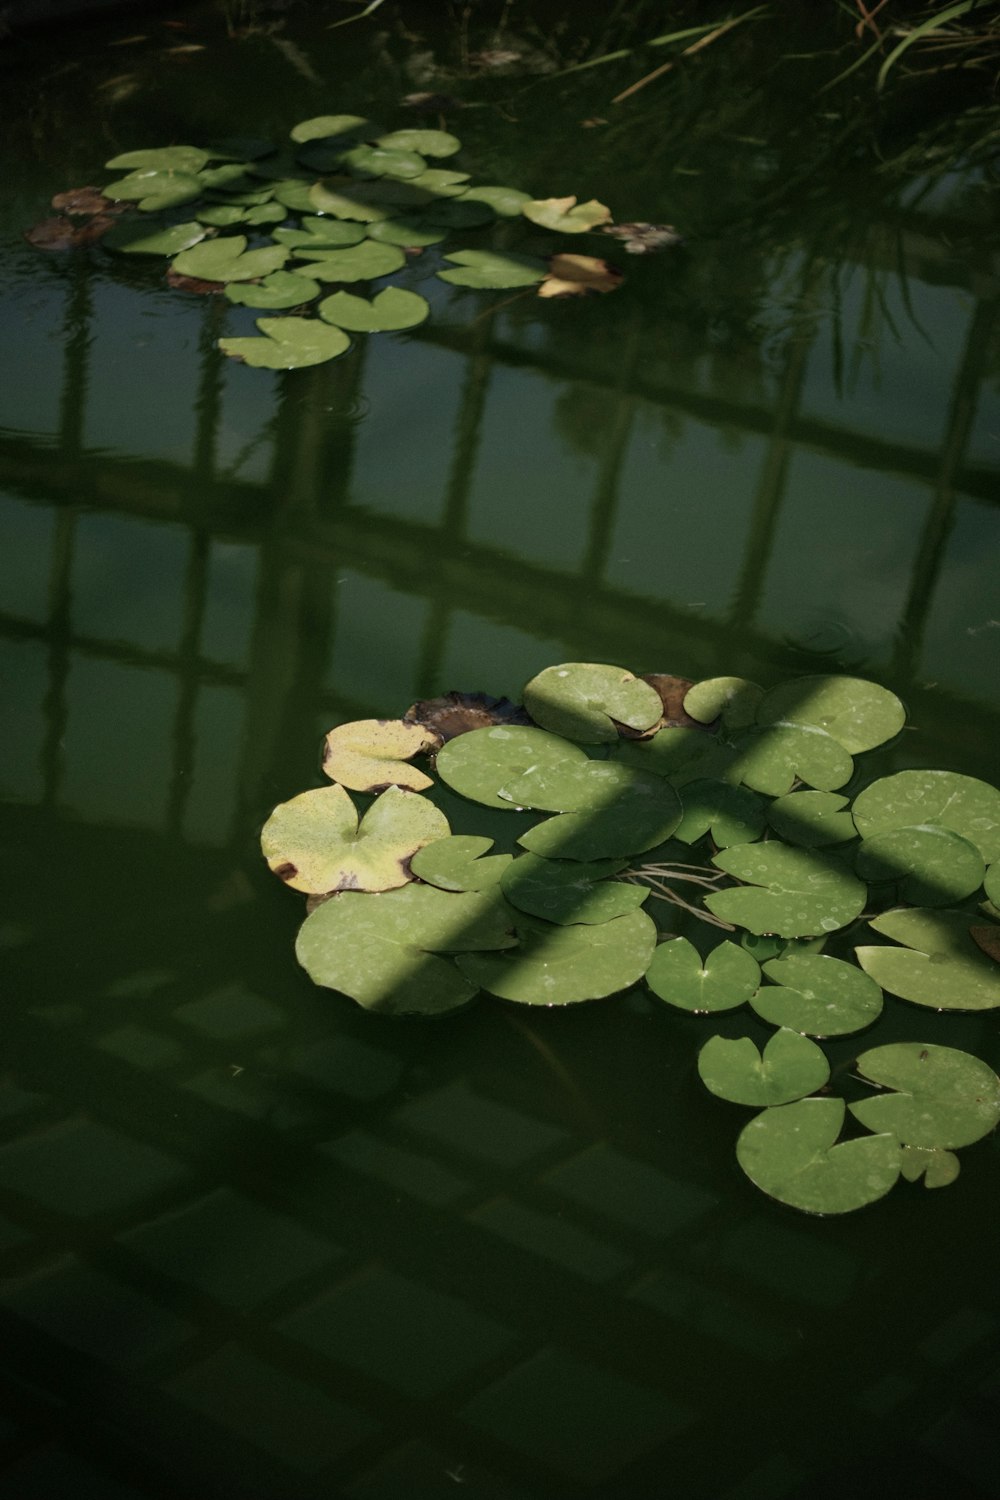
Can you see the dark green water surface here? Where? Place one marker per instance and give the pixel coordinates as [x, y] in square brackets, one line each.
[254, 1241]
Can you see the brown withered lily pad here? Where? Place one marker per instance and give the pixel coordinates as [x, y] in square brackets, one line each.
[672, 691]
[988, 938]
[65, 234]
[576, 275]
[457, 713]
[644, 239]
[86, 201]
[182, 283]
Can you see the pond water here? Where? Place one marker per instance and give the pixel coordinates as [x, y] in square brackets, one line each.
[256, 1242]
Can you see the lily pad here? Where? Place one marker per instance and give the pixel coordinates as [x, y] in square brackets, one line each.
[789, 1068]
[506, 202]
[436, 143]
[813, 820]
[315, 843]
[321, 234]
[392, 193]
[681, 755]
[791, 892]
[859, 714]
[991, 884]
[771, 760]
[128, 239]
[288, 343]
[573, 785]
[586, 700]
[362, 262]
[296, 194]
[282, 289]
[733, 699]
[817, 994]
[727, 978]
[733, 814]
[941, 1097]
[460, 213]
[640, 813]
[187, 159]
[230, 175]
[566, 965]
[382, 953]
[380, 161]
[940, 965]
[791, 1153]
[156, 190]
[938, 1168]
[329, 127]
[490, 271]
[478, 764]
[442, 182]
[565, 215]
[408, 229]
[967, 806]
[566, 893]
[457, 864]
[576, 275]
[930, 865]
[370, 754]
[225, 215]
[228, 259]
[391, 310]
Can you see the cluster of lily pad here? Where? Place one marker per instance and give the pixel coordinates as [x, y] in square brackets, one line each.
[346, 204]
[727, 802]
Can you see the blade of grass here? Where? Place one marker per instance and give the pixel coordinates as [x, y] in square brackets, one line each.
[372, 6]
[712, 36]
[924, 29]
[653, 41]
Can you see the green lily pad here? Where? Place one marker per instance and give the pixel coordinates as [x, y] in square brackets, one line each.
[230, 174]
[565, 892]
[228, 259]
[726, 978]
[364, 262]
[583, 701]
[442, 182]
[940, 965]
[817, 994]
[735, 699]
[380, 161]
[941, 1097]
[771, 760]
[323, 157]
[681, 755]
[225, 215]
[280, 290]
[156, 190]
[790, 1153]
[408, 229]
[967, 806]
[241, 148]
[382, 953]
[938, 1168]
[572, 785]
[991, 883]
[296, 194]
[733, 814]
[813, 820]
[506, 202]
[264, 213]
[436, 143]
[639, 811]
[566, 965]
[859, 714]
[565, 215]
[392, 193]
[250, 198]
[130, 240]
[789, 1068]
[792, 892]
[456, 863]
[186, 159]
[478, 764]
[490, 271]
[315, 843]
[391, 310]
[321, 234]
[328, 127]
[461, 213]
[931, 866]
[370, 754]
[288, 343]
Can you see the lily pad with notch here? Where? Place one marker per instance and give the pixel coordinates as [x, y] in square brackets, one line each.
[939, 965]
[938, 1168]
[367, 755]
[408, 230]
[791, 1153]
[434, 143]
[859, 714]
[334, 127]
[636, 813]
[789, 1068]
[733, 700]
[963, 804]
[773, 759]
[130, 239]
[813, 820]
[568, 892]
[930, 865]
[480, 763]
[565, 965]
[228, 259]
[390, 311]
[791, 892]
[585, 701]
[941, 1097]
[488, 270]
[506, 202]
[732, 814]
[460, 213]
[288, 343]
[817, 994]
[187, 159]
[275, 293]
[364, 262]
[381, 161]
[725, 979]
[565, 215]
[321, 234]
[457, 863]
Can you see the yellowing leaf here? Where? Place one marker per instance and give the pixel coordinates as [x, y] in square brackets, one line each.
[576, 275]
[315, 843]
[566, 215]
[368, 754]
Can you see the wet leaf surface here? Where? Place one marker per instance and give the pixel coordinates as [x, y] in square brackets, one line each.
[228, 259]
[789, 1068]
[732, 814]
[566, 892]
[942, 1098]
[586, 701]
[636, 814]
[939, 964]
[370, 754]
[480, 763]
[457, 863]
[860, 715]
[967, 806]
[813, 820]
[185, 159]
[791, 892]
[728, 977]
[817, 994]
[791, 1153]
[329, 127]
[931, 866]
[772, 760]
[565, 965]
[288, 344]
[506, 202]
[734, 700]
[315, 843]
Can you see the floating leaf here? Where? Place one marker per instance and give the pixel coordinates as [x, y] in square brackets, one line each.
[288, 343]
[987, 938]
[636, 814]
[819, 995]
[456, 863]
[932, 866]
[294, 193]
[565, 892]
[129, 239]
[734, 699]
[327, 127]
[728, 977]
[991, 884]
[390, 192]
[224, 215]
[231, 175]
[68, 234]
[790, 1067]
[967, 806]
[506, 202]
[771, 760]
[249, 198]
[734, 814]
[940, 965]
[436, 143]
[812, 819]
[362, 262]
[859, 714]
[457, 713]
[643, 239]
[488, 270]
[572, 785]
[584, 700]
[391, 310]
[938, 1168]
[314, 843]
[379, 161]
[442, 182]
[566, 215]
[565, 965]
[370, 754]
[576, 275]
[187, 159]
[156, 190]
[85, 200]
[790, 1153]
[673, 690]
[793, 892]
[942, 1097]
[381, 952]
[483, 761]
[282, 289]
[227, 259]
[408, 229]
[321, 234]
[681, 755]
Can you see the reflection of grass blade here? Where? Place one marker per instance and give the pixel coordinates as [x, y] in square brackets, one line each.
[924, 29]
[704, 41]
[653, 41]
[372, 6]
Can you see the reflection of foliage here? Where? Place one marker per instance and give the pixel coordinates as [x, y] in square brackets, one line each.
[723, 803]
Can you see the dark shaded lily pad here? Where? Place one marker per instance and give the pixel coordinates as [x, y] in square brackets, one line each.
[940, 965]
[794, 892]
[858, 714]
[586, 701]
[566, 892]
[930, 865]
[969, 807]
[733, 814]
[457, 713]
[565, 965]
[639, 814]
[812, 819]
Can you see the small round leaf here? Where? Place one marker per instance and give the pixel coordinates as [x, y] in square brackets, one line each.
[858, 714]
[586, 701]
[790, 1067]
[391, 310]
[817, 994]
[566, 965]
[727, 978]
[436, 143]
[941, 1097]
[790, 1152]
[565, 215]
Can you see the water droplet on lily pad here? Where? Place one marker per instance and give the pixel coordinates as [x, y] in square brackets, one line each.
[789, 1068]
[791, 1153]
[940, 1097]
[726, 978]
